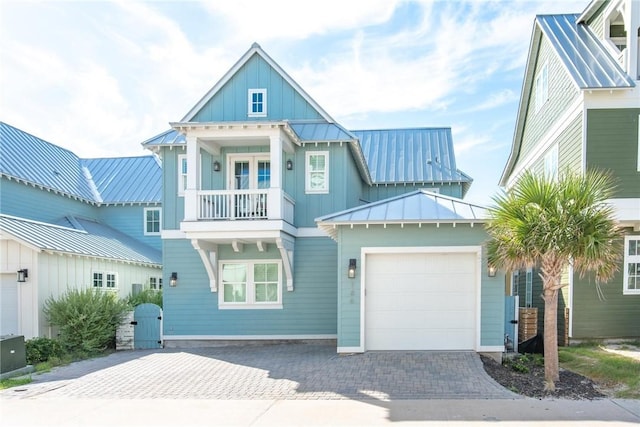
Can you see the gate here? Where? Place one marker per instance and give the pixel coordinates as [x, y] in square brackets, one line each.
[147, 321]
[511, 323]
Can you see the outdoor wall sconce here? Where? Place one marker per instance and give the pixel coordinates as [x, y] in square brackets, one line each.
[23, 275]
[351, 272]
[173, 280]
[491, 271]
[289, 165]
[216, 166]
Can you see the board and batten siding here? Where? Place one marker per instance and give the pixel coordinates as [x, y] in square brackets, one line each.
[352, 240]
[612, 144]
[562, 93]
[381, 191]
[230, 103]
[130, 220]
[611, 315]
[191, 308]
[14, 257]
[172, 205]
[26, 201]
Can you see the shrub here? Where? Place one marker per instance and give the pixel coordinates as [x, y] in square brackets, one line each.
[87, 319]
[146, 296]
[42, 349]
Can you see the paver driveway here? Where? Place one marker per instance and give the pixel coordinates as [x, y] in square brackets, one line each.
[280, 371]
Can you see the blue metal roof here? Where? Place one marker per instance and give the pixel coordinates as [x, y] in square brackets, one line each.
[320, 131]
[169, 137]
[584, 57]
[415, 207]
[127, 179]
[89, 238]
[410, 155]
[33, 160]
[36, 161]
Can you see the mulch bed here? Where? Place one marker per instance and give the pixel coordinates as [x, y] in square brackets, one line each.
[531, 383]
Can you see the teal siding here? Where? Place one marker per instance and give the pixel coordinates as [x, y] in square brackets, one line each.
[192, 309]
[172, 205]
[129, 220]
[29, 202]
[381, 192]
[353, 240]
[230, 102]
[612, 144]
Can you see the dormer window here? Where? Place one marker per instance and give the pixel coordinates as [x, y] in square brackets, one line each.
[257, 103]
[617, 31]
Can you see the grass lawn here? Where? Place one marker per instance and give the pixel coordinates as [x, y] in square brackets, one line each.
[619, 376]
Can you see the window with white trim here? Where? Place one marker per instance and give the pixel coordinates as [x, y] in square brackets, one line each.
[528, 295]
[257, 103]
[182, 174]
[317, 172]
[151, 221]
[250, 284]
[631, 265]
[551, 163]
[155, 283]
[541, 87]
[515, 279]
[104, 280]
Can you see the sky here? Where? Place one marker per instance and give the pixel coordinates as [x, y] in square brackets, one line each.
[99, 78]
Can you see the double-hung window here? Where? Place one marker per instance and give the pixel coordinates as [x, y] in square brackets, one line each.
[151, 221]
[631, 265]
[250, 284]
[317, 172]
[155, 283]
[104, 280]
[182, 174]
[551, 163]
[257, 103]
[541, 87]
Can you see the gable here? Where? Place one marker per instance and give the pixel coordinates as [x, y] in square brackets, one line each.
[228, 100]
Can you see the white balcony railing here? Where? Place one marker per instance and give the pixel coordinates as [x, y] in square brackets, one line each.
[245, 205]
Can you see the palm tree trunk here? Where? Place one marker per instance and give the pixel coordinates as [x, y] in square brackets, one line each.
[551, 371]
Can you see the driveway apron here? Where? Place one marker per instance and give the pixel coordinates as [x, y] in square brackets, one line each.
[279, 371]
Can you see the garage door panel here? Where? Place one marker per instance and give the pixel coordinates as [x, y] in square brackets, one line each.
[420, 301]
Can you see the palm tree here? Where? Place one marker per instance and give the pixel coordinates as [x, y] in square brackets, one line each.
[552, 224]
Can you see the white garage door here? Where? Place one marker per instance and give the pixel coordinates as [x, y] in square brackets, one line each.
[420, 301]
[8, 304]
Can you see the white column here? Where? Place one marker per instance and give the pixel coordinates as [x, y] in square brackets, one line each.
[193, 171]
[274, 197]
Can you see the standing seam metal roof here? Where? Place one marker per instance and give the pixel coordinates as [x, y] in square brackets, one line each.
[586, 60]
[93, 240]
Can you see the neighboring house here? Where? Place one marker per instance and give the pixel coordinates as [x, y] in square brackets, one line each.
[278, 223]
[72, 223]
[579, 109]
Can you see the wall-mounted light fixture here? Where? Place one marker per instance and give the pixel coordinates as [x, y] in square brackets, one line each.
[491, 271]
[216, 166]
[351, 272]
[289, 165]
[23, 275]
[173, 280]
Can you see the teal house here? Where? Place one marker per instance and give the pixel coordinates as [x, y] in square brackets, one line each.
[280, 224]
[580, 109]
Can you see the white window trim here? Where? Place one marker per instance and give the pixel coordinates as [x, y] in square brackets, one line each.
[104, 287]
[181, 176]
[628, 259]
[250, 304]
[263, 113]
[551, 163]
[539, 90]
[158, 280]
[528, 293]
[307, 172]
[144, 219]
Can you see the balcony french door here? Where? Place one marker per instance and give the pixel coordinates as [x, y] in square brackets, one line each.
[250, 173]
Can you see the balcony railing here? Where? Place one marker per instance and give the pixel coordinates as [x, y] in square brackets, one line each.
[244, 205]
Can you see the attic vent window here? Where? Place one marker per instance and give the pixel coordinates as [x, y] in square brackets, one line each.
[257, 103]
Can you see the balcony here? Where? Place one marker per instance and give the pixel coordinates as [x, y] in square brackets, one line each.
[258, 204]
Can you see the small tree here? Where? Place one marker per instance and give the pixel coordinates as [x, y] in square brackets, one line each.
[87, 319]
[551, 224]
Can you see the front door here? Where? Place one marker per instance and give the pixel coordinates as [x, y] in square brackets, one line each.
[250, 173]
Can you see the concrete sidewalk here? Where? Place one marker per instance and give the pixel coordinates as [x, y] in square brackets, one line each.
[201, 412]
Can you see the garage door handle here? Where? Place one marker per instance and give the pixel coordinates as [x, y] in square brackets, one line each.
[135, 322]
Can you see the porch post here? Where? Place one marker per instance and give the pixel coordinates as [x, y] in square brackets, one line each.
[193, 171]
[274, 198]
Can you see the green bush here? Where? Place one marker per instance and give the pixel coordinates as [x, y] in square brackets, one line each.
[42, 349]
[146, 296]
[87, 319]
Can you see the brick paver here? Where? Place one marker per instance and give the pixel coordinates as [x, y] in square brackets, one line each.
[280, 371]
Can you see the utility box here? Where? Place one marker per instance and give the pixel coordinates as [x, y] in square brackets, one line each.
[12, 353]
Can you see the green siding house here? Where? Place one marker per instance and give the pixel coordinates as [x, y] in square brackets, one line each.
[257, 182]
[579, 109]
